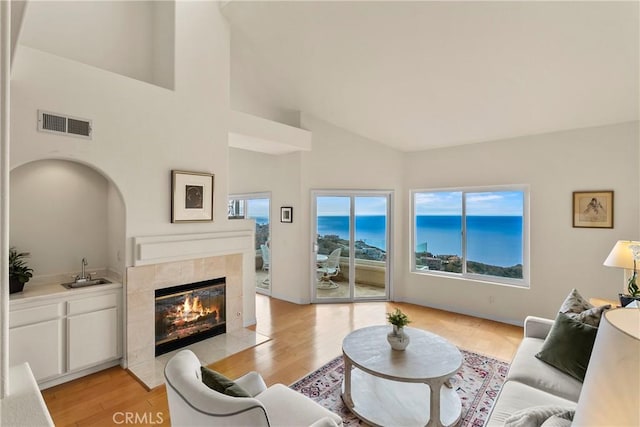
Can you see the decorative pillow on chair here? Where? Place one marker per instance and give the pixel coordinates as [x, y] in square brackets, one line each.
[568, 346]
[577, 307]
[218, 382]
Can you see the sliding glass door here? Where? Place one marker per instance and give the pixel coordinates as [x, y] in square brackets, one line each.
[257, 207]
[351, 252]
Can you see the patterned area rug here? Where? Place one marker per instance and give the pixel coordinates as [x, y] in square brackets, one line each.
[477, 383]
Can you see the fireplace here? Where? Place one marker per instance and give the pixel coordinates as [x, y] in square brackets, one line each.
[189, 313]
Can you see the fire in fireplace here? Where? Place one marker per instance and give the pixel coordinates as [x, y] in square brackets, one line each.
[189, 313]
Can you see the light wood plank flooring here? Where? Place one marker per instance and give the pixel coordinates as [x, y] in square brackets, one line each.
[304, 337]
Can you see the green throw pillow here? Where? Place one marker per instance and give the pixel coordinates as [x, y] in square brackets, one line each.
[218, 382]
[568, 346]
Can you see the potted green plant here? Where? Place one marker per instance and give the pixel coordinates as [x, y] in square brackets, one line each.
[19, 272]
[632, 284]
[397, 338]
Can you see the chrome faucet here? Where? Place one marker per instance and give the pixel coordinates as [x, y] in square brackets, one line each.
[83, 277]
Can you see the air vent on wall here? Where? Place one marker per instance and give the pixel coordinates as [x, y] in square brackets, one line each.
[61, 124]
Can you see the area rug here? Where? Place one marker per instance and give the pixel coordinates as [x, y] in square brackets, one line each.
[477, 383]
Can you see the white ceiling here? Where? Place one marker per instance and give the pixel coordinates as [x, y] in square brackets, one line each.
[419, 75]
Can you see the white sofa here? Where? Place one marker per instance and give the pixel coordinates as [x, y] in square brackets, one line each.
[192, 403]
[531, 382]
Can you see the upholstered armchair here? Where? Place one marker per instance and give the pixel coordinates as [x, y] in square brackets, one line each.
[192, 403]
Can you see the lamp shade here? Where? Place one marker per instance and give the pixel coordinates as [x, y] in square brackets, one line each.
[621, 255]
[609, 395]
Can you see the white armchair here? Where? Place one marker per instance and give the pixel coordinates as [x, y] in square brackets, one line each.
[192, 403]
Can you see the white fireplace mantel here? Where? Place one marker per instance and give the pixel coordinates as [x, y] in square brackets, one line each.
[179, 247]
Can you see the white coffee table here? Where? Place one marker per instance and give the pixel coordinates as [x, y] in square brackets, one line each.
[393, 388]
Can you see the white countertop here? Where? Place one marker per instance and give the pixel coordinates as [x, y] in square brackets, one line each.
[42, 292]
[24, 406]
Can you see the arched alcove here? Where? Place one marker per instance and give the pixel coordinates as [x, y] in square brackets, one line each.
[62, 211]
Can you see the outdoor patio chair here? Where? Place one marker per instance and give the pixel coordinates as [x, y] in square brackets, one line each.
[330, 269]
[266, 261]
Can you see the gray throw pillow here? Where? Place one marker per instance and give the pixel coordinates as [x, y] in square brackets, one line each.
[575, 303]
[590, 317]
[218, 382]
[568, 346]
[577, 307]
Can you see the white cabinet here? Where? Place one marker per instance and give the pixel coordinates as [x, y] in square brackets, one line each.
[36, 336]
[65, 335]
[92, 331]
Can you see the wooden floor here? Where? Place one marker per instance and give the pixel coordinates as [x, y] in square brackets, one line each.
[304, 337]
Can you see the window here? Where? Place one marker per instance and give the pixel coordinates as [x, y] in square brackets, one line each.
[474, 233]
[253, 206]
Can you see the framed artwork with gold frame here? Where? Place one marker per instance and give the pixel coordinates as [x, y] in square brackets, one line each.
[593, 209]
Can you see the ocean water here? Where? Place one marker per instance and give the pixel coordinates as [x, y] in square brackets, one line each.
[261, 220]
[494, 240]
[370, 228]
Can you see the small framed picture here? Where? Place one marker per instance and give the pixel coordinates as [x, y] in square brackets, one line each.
[593, 209]
[286, 214]
[191, 196]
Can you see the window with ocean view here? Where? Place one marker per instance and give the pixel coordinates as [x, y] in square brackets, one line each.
[471, 233]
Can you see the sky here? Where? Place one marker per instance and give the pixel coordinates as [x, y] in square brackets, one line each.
[257, 208]
[501, 203]
[339, 205]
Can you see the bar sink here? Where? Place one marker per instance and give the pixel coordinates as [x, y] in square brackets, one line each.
[86, 282]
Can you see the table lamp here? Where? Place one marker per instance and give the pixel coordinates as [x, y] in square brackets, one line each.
[609, 395]
[622, 256]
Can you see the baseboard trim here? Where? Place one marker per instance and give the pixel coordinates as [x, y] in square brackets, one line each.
[78, 374]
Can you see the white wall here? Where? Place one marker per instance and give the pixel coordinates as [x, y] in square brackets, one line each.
[251, 172]
[59, 214]
[116, 229]
[249, 89]
[162, 51]
[128, 38]
[289, 241]
[562, 257]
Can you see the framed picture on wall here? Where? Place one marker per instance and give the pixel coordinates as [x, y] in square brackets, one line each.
[593, 209]
[286, 214]
[191, 196]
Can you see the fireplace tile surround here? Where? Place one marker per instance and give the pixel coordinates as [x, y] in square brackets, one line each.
[142, 282]
[170, 269]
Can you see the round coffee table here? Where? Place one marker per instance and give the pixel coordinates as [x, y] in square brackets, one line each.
[388, 386]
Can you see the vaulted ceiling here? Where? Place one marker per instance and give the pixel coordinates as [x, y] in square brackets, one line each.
[420, 75]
